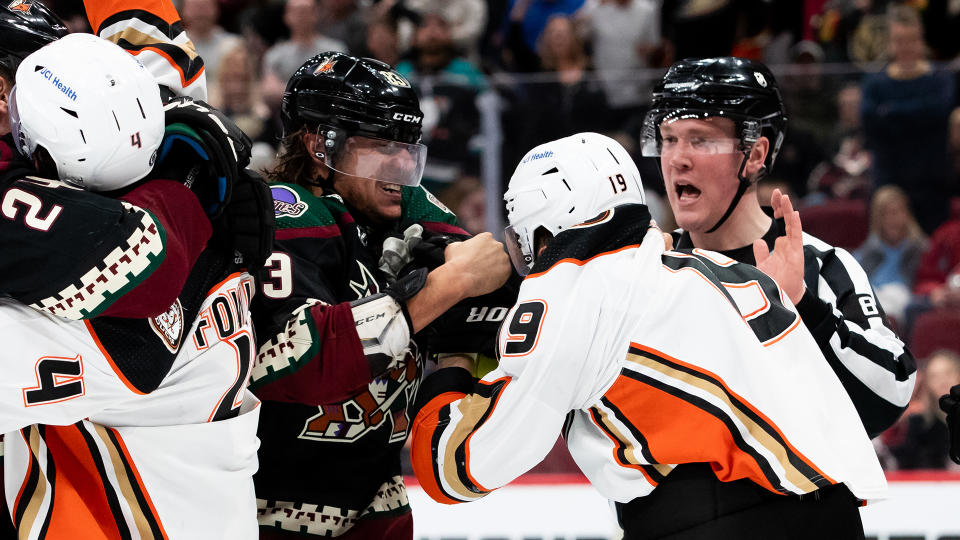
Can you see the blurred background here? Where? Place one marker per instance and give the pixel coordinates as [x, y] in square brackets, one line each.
[871, 155]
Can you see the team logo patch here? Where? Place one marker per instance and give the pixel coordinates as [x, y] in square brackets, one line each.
[325, 66]
[20, 5]
[761, 80]
[169, 326]
[394, 78]
[286, 202]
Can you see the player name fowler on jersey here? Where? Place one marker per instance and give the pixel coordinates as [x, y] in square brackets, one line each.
[645, 359]
[96, 451]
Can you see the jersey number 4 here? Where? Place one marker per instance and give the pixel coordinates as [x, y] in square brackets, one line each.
[58, 379]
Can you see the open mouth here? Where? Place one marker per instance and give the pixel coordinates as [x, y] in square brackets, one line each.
[686, 192]
[390, 188]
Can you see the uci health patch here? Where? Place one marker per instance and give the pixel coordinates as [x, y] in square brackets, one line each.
[538, 155]
[55, 80]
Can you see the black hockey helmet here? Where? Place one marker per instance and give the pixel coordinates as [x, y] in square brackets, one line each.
[342, 96]
[736, 88]
[25, 26]
[359, 95]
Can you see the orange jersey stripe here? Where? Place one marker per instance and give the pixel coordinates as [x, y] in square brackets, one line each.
[579, 262]
[80, 501]
[99, 10]
[740, 398]
[421, 443]
[684, 433]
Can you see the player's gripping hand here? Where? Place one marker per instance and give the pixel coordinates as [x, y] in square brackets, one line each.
[950, 404]
[203, 149]
[481, 262]
[247, 222]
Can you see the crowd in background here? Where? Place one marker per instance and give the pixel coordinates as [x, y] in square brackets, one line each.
[872, 152]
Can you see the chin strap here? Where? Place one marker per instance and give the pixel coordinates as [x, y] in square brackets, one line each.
[741, 189]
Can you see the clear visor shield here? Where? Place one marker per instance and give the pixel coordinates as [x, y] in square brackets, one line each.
[377, 159]
[19, 139]
[521, 258]
[654, 142]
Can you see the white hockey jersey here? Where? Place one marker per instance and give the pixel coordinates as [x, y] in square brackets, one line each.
[645, 359]
[91, 453]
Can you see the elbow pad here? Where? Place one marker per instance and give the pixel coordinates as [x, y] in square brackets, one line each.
[384, 330]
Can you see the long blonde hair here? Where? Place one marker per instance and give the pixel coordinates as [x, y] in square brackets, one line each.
[883, 197]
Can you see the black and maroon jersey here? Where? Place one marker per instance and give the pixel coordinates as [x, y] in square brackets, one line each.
[330, 433]
[77, 254]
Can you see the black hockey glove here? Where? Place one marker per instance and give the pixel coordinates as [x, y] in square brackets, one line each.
[205, 150]
[247, 222]
[950, 404]
[471, 326]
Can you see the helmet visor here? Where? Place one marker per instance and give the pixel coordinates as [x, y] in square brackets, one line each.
[377, 159]
[653, 142]
[521, 261]
[19, 138]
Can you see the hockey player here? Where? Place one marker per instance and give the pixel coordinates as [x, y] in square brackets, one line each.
[950, 404]
[338, 369]
[127, 255]
[148, 428]
[716, 125]
[598, 346]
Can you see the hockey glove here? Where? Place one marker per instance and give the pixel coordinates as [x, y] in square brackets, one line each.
[950, 404]
[205, 150]
[397, 252]
[247, 222]
[471, 326]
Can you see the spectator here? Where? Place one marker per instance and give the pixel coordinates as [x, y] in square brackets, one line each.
[381, 40]
[624, 34]
[344, 21]
[938, 277]
[447, 86]
[925, 440]
[892, 252]
[211, 41]
[238, 97]
[466, 18]
[571, 102]
[904, 112]
[526, 22]
[301, 17]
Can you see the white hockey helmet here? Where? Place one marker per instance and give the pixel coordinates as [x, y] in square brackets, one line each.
[563, 183]
[93, 107]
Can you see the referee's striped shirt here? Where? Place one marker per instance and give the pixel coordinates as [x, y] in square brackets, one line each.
[842, 312]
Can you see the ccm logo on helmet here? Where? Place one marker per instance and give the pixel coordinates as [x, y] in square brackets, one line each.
[407, 117]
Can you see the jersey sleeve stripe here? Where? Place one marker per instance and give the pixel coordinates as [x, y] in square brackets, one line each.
[623, 450]
[443, 228]
[83, 498]
[474, 409]
[26, 506]
[699, 395]
[131, 485]
[655, 469]
[425, 435]
[102, 12]
[293, 233]
[116, 369]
